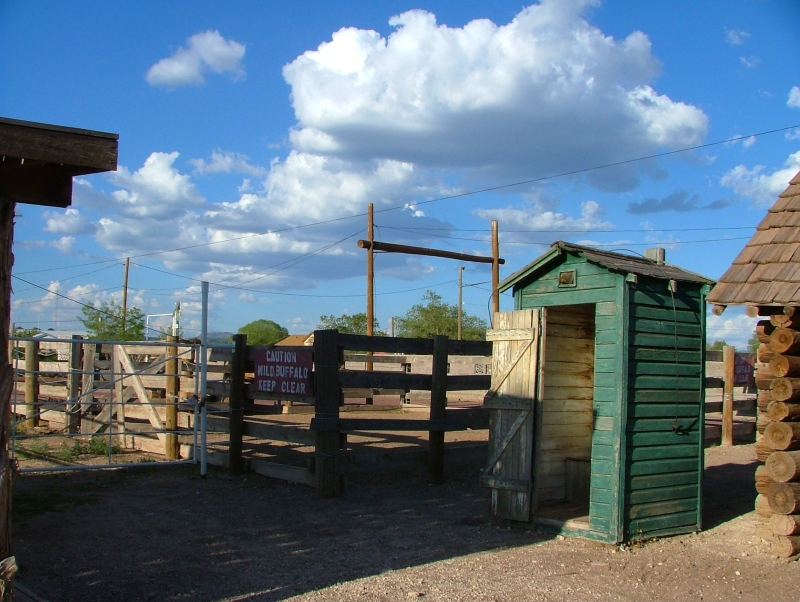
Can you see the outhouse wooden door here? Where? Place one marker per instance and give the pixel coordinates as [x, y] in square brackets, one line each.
[511, 403]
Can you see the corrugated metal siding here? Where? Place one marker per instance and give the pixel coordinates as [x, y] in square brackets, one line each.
[665, 356]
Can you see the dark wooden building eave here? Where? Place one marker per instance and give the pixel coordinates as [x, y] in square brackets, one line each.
[38, 161]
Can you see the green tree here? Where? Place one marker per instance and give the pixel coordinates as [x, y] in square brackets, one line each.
[105, 322]
[716, 346]
[349, 324]
[753, 343]
[433, 316]
[263, 332]
[26, 332]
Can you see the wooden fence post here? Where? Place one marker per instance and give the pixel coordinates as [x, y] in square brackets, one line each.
[72, 411]
[327, 393]
[438, 409]
[87, 387]
[171, 389]
[31, 383]
[236, 404]
[728, 355]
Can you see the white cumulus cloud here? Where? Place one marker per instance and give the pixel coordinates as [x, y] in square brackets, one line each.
[156, 190]
[205, 51]
[763, 188]
[539, 222]
[71, 221]
[736, 37]
[735, 330]
[547, 90]
[64, 244]
[227, 162]
[794, 98]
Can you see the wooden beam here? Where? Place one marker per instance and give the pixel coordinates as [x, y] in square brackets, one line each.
[141, 392]
[327, 391]
[31, 383]
[438, 412]
[73, 408]
[387, 247]
[46, 185]
[237, 405]
[728, 355]
[91, 150]
[171, 394]
[370, 282]
[496, 261]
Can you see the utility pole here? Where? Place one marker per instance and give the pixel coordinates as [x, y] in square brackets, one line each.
[495, 268]
[370, 284]
[391, 326]
[460, 289]
[125, 293]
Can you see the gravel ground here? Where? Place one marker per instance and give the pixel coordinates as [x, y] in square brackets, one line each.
[166, 534]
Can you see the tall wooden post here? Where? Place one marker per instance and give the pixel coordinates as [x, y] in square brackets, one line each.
[495, 269]
[125, 295]
[438, 410]
[31, 383]
[72, 411]
[460, 296]
[370, 284]
[87, 386]
[728, 361]
[171, 447]
[236, 429]
[6, 387]
[327, 394]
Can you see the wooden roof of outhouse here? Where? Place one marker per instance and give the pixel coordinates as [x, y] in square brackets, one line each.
[616, 262]
[767, 271]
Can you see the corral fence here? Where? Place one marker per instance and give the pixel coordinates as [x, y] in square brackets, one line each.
[80, 403]
[317, 379]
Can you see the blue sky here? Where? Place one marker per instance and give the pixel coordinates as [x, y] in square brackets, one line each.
[253, 135]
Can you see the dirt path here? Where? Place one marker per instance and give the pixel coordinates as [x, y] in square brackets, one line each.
[166, 534]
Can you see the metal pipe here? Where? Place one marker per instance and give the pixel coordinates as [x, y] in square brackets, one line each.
[203, 373]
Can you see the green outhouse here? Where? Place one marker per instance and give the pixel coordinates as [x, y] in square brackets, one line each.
[596, 406]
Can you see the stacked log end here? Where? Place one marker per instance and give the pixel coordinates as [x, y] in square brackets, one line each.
[778, 447]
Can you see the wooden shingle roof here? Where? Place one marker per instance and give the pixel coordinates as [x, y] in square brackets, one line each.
[767, 271]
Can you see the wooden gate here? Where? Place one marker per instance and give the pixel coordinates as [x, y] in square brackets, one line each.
[511, 403]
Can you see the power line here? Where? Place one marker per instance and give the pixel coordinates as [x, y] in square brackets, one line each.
[467, 193]
[85, 305]
[574, 231]
[42, 300]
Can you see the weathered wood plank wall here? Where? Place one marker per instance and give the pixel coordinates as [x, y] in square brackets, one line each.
[568, 392]
[664, 427]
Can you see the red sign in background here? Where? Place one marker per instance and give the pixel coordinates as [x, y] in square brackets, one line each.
[743, 369]
[280, 371]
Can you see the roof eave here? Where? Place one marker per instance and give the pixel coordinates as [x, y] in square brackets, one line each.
[521, 274]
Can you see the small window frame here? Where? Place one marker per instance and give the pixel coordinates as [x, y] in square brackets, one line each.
[568, 279]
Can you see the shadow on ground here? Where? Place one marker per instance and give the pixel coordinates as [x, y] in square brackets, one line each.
[166, 534]
[729, 489]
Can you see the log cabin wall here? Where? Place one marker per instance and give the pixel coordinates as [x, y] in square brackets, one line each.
[566, 430]
[664, 436]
